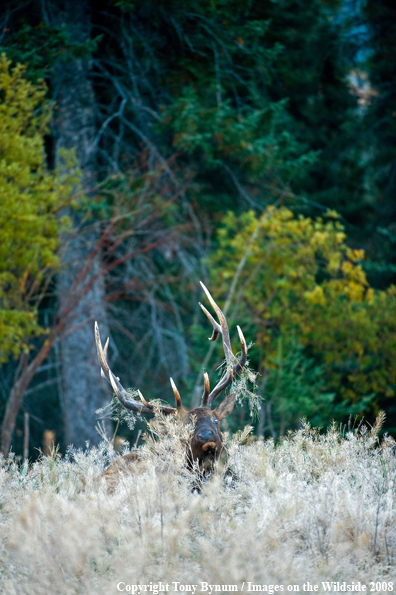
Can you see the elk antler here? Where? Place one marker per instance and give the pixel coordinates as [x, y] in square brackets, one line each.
[178, 400]
[206, 392]
[232, 367]
[124, 398]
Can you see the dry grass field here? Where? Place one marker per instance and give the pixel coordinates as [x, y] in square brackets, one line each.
[314, 508]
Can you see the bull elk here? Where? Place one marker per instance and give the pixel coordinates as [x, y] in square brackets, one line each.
[206, 442]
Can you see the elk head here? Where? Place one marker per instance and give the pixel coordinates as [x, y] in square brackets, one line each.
[206, 441]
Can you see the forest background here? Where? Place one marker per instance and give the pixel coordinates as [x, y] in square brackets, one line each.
[147, 146]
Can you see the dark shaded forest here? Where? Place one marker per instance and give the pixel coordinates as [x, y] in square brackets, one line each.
[145, 146]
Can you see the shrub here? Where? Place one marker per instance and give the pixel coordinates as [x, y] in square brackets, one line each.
[315, 507]
[31, 201]
[300, 279]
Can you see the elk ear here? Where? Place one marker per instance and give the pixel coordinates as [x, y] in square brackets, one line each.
[226, 407]
[183, 415]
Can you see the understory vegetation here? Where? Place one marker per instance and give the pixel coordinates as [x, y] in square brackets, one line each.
[316, 507]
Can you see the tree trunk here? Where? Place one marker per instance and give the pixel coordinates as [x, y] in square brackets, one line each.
[75, 127]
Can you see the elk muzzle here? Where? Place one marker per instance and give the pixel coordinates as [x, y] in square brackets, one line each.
[206, 440]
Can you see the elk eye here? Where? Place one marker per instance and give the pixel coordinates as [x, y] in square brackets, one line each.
[215, 421]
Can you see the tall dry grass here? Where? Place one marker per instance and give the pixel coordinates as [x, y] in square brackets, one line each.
[314, 508]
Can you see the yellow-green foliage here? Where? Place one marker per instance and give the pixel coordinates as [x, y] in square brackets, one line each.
[30, 200]
[301, 278]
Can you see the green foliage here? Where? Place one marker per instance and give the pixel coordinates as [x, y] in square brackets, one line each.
[381, 64]
[125, 5]
[312, 72]
[301, 279]
[250, 93]
[254, 139]
[43, 46]
[222, 114]
[31, 199]
[295, 386]
[379, 117]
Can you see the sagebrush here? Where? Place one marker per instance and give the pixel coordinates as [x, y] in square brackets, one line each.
[317, 507]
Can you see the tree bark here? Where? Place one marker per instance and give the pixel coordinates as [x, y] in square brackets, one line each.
[82, 392]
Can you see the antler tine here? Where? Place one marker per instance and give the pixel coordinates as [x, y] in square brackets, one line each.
[222, 328]
[178, 400]
[124, 398]
[206, 392]
[216, 326]
[120, 392]
[163, 408]
[243, 357]
[145, 403]
[102, 354]
[106, 347]
[220, 386]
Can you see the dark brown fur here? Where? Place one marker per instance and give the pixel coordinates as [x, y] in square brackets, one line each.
[207, 441]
